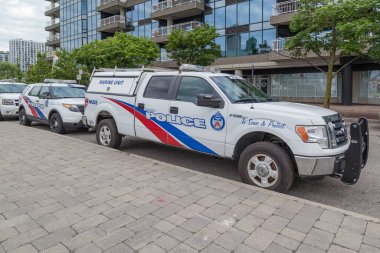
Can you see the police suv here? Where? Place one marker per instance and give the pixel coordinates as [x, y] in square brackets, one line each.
[9, 99]
[226, 116]
[57, 103]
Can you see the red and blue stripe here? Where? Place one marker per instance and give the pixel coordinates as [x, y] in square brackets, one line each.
[173, 136]
[36, 112]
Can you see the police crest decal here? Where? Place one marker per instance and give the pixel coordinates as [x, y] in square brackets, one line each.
[217, 121]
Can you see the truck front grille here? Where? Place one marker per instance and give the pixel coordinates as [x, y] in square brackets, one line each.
[337, 129]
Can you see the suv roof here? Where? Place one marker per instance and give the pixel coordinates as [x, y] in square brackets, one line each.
[59, 85]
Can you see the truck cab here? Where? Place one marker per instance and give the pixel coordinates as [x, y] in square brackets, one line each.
[10, 99]
[226, 116]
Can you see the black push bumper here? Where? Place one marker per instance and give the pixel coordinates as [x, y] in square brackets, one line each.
[357, 154]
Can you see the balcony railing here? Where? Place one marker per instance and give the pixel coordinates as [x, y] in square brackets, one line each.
[51, 54]
[279, 44]
[112, 20]
[52, 22]
[53, 37]
[171, 3]
[102, 2]
[50, 7]
[166, 30]
[285, 7]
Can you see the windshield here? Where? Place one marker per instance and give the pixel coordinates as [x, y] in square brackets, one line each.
[68, 92]
[239, 90]
[11, 88]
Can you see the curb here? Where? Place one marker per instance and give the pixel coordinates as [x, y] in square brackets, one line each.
[281, 195]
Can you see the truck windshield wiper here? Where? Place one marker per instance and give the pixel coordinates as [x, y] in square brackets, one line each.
[246, 100]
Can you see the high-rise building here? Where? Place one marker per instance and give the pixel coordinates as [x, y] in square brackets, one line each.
[252, 35]
[24, 52]
[4, 55]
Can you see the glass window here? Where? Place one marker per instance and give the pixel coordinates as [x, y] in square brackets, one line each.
[243, 13]
[255, 39]
[267, 9]
[68, 92]
[231, 45]
[370, 84]
[256, 11]
[35, 90]
[11, 88]
[239, 90]
[191, 87]
[231, 16]
[45, 91]
[141, 11]
[209, 18]
[222, 43]
[268, 37]
[244, 44]
[159, 87]
[301, 85]
[220, 17]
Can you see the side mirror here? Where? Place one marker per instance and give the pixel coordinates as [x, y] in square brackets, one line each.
[45, 95]
[207, 100]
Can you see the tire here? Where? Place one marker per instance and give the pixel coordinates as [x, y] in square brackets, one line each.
[23, 120]
[259, 163]
[56, 124]
[107, 134]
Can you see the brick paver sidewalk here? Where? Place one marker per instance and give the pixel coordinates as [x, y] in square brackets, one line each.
[58, 194]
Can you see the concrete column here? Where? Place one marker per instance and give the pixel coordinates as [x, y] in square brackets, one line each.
[238, 72]
[169, 21]
[347, 85]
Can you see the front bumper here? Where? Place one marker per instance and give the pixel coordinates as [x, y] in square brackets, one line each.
[9, 111]
[348, 165]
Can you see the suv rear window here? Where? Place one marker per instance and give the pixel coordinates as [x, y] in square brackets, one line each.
[159, 87]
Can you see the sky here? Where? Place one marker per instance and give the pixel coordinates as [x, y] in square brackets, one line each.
[24, 19]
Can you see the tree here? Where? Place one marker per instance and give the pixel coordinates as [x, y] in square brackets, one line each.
[65, 68]
[333, 29]
[194, 47]
[8, 70]
[40, 71]
[122, 50]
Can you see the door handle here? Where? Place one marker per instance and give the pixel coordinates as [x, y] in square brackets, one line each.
[141, 106]
[37, 101]
[174, 110]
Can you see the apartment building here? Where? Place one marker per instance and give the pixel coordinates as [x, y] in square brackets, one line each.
[252, 35]
[4, 55]
[24, 52]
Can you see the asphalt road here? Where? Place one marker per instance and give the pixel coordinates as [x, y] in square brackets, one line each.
[363, 197]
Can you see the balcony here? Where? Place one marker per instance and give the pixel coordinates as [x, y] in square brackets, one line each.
[52, 10]
[283, 12]
[160, 35]
[177, 9]
[50, 55]
[53, 40]
[279, 44]
[111, 6]
[112, 24]
[52, 25]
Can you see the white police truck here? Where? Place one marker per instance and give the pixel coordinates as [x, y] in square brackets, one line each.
[57, 103]
[9, 99]
[226, 116]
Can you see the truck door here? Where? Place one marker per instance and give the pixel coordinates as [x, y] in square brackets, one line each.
[200, 128]
[31, 100]
[152, 108]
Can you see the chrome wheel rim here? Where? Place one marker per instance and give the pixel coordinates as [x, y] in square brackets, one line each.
[55, 124]
[105, 135]
[262, 170]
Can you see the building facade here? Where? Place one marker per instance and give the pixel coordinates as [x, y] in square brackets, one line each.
[252, 35]
[4, 56]
[24, 52]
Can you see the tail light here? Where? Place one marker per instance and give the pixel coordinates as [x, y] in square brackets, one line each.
[85, 102]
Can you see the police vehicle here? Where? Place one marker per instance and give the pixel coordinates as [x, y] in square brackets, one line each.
[9, 99]
[226, 116]
[58, 103]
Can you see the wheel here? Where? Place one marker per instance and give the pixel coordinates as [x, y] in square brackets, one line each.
[23, 119]
[56, 124]
[268, 166]
[107, 134]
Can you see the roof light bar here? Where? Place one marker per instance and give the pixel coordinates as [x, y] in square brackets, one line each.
[60, 81]
[197, 68]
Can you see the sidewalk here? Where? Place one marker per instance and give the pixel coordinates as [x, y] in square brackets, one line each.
[58, 195]
[371, 112]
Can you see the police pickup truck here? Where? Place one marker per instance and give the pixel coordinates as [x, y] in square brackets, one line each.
[226, 116]
[9, 99]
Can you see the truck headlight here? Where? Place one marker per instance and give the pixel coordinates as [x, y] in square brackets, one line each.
[8, 102]
[71, 107]
[314, 134]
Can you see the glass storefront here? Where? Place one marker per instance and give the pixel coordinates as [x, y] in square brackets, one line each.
[370, 84]
[301, 85]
